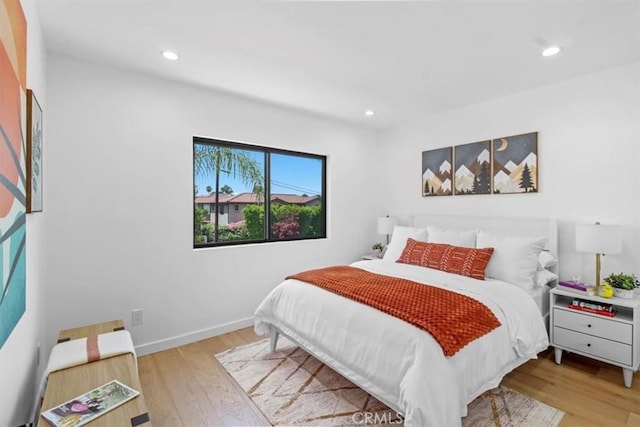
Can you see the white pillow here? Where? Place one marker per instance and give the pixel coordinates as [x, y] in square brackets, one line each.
[399, 241]
[546, 260]
[542, 277]
[514, 259]
[465, 239]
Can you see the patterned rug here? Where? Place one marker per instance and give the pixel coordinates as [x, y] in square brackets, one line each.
[291, 387]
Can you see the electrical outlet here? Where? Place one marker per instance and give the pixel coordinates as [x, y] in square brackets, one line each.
[137, 316]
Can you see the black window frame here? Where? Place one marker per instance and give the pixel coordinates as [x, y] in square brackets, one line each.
[267, 191]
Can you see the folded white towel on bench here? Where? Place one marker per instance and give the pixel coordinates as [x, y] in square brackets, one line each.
[84, 350]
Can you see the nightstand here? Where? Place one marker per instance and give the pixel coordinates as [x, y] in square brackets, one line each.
[614, 340]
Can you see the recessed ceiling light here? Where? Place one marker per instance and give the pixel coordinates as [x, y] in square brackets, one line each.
[550, 51]
[368, 113]
[172, 56]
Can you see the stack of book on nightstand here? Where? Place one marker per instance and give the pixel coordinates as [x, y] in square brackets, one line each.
[581, 288]
[593, 307]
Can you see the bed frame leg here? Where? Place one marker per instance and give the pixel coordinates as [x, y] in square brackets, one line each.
[273, 342]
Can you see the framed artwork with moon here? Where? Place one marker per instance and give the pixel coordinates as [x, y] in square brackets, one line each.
[515, 164]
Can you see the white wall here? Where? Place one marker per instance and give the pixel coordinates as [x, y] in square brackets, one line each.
[589, 151]
[119, 206]
[18, 372]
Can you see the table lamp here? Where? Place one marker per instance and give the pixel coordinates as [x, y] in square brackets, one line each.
[598, 239]
[385, 226]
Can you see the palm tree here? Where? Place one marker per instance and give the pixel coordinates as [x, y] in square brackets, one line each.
[214, 159]
[258, 190]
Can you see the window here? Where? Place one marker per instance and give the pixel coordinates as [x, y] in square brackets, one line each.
[290, 207]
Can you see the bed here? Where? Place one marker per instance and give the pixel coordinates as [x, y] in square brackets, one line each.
[400, 364]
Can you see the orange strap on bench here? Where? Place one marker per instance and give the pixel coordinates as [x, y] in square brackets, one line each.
[93, 351]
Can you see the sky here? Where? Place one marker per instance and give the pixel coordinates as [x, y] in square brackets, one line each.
[289, 175]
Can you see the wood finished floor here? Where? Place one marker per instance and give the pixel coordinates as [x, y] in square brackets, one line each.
[186, 386]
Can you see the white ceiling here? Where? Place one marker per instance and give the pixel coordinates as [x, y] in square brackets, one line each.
[400, 59]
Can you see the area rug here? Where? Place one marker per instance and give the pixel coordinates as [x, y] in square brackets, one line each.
[291, 387]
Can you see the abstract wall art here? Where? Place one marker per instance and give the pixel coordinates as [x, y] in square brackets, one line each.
[437, 179]
[13, 79]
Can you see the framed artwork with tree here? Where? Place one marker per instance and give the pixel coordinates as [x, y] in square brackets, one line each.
[515, 164]
[472, 168]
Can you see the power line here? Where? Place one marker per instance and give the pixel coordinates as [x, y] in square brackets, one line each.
[277, 184]
[293, 187]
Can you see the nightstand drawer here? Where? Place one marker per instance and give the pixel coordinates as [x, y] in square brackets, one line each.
[599, 327]
[600, 347]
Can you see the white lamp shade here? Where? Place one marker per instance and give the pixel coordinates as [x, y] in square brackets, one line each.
[598, 239]
[386, 225]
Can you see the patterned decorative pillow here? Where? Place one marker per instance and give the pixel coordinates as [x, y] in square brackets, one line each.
[423, 254]
[470, 262]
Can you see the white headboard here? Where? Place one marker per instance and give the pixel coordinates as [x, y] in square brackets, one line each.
[517, 227]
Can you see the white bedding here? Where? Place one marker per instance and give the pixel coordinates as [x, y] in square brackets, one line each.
[400, 364]
[541, 297]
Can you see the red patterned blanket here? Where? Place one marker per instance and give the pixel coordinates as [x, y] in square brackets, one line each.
[454, 320]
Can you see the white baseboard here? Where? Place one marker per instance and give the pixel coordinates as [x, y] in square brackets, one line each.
[165, 344]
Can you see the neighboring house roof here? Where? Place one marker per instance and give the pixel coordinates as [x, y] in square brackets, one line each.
[250, 198]
[245, 198]
[292, 198]
[222, 198]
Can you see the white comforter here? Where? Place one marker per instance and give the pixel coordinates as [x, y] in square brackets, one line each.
[400, 364]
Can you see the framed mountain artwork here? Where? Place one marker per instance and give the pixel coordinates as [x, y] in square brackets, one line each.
[472, 172]
[515, 164]
[436, 172]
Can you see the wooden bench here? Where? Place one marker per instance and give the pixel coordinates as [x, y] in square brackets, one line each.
[66, 384]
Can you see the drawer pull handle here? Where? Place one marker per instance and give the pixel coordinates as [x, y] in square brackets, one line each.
[589, 345]
[589, 325]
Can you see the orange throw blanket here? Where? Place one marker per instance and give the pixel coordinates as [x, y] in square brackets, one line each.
[454, 320]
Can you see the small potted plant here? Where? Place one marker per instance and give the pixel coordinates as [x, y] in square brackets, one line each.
[377, 250]
[623, 284]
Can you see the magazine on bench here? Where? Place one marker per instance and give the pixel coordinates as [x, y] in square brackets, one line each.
[91, 405]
